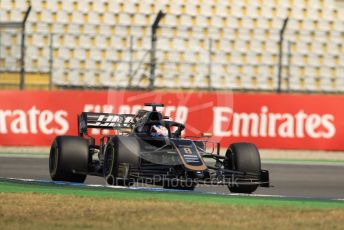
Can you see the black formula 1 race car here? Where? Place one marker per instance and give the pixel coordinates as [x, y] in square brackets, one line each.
[148, 147]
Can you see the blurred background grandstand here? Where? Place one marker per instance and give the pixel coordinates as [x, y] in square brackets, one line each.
[201, 44]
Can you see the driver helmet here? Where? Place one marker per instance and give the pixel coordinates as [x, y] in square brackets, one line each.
[158, 131]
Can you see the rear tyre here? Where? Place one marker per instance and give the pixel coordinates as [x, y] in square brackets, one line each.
[243, 157]
[113, 174]
[68, 159]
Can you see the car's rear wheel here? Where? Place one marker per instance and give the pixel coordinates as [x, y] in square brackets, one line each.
[243, 157]
[68, 159]
[115, 173]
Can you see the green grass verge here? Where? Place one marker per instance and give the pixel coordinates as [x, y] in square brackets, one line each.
[40, 206]
[23, 187]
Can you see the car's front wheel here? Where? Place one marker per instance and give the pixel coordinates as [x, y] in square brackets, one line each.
[243, 157]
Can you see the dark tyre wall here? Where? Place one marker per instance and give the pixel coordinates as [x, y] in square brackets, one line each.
[68, 159]
[244, 157]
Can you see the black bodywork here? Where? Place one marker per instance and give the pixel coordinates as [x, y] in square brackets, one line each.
[159, 160]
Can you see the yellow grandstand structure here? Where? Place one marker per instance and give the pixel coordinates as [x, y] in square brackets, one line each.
[218, 44]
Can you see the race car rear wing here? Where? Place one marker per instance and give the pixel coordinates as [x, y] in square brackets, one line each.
[104, 121]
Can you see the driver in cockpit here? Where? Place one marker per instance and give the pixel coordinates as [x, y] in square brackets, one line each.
[153, 131]
[158, 131]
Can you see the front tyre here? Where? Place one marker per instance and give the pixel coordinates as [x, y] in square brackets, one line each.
[243, 157]
[68, 159]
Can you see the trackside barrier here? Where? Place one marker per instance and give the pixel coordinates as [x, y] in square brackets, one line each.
[297, 121]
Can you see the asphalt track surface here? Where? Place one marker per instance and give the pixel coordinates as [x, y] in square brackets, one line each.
[313, 181]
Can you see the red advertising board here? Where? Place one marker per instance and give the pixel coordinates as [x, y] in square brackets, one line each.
[295, 121]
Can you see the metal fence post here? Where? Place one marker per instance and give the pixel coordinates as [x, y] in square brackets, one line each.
[153, 48]
[22, 58]
[210, 51]
[51, 56]
[280, 62]
[288, 67]
[130, 61]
